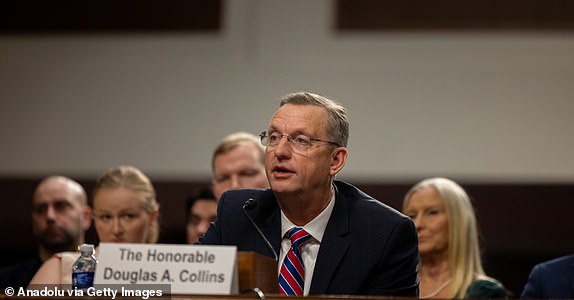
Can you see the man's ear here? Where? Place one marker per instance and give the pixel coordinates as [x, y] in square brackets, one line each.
[338, 160]
[87, 214]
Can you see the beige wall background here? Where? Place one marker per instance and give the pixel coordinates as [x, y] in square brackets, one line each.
[478, 106]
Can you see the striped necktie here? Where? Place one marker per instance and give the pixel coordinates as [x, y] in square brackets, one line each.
[292, 275]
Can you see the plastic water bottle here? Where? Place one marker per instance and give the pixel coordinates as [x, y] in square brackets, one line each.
[84, 267]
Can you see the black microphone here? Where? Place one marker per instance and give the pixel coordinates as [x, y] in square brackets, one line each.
[250, 204]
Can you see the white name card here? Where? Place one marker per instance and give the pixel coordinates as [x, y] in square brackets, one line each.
[190, 269]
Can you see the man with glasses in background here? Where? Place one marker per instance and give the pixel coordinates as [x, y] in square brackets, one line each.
[327, 236]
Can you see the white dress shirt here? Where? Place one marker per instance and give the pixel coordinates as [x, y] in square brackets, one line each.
[310, 249]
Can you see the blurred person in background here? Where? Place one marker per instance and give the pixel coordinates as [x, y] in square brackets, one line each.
[553, 279]
[238, 162]
[60, 216]
[125, 210]
[448, 242]
[201, 210]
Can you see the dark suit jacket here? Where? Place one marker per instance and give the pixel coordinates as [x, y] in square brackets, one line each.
[551, 279]
[368, 247]
[20, 274]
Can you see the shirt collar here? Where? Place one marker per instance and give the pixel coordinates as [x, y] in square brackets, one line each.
[315, 227]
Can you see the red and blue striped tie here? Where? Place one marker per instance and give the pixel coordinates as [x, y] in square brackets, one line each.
[292, 275]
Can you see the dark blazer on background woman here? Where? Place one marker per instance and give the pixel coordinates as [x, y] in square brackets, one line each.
[551, 279]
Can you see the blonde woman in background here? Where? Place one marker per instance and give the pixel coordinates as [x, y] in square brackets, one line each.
[448, 242]
[125, 210]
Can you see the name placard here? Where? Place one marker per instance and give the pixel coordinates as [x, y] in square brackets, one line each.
[190, 269]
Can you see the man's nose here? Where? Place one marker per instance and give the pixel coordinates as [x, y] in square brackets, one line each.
[234, 182]
[202, 227]
[50, 213]
[283, 148]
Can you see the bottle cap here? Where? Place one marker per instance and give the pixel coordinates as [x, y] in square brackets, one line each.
[87, 249]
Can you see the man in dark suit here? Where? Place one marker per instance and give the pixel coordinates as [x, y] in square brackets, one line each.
[551, 279]
[331, 237]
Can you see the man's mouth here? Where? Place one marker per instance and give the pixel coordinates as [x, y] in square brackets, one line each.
[281, 169]
[281, 172]
[54, 231]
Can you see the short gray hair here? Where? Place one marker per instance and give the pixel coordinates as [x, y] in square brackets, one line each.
[338, 120]
[233, 140]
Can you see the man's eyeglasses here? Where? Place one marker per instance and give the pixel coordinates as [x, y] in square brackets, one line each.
[299, 142]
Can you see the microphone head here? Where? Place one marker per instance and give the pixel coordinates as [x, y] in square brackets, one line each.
[250, 204]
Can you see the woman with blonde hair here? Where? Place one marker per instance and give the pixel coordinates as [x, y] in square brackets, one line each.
[448, 242]
[125, 207]
[125, 210]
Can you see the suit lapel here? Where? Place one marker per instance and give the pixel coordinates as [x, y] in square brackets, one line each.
[269, 222]
[272, 230]
[333, 246]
